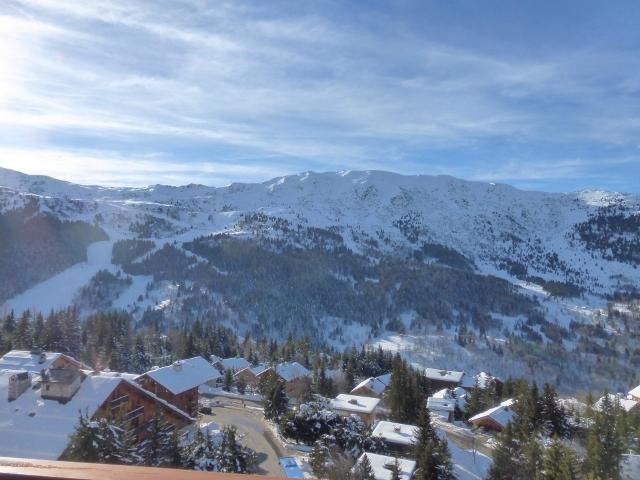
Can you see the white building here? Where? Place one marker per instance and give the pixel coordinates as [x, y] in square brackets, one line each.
[364, 407]
[382, 464]
[398, 437]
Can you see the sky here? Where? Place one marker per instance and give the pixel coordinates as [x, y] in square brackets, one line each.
[541, 94]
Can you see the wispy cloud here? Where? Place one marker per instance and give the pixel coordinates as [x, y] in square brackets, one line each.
[312, 87]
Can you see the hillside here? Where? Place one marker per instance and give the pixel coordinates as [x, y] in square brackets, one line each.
[452, 272]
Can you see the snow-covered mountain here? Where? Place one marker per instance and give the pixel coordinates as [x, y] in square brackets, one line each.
[568, 254]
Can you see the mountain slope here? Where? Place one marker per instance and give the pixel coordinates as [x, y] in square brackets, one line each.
[350, 256]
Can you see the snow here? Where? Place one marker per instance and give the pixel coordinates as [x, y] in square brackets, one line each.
[398, 433]
[289, 371]
[59, 291]
[630, 467]
[25, 360]
[373, 384]
[354, 403]
[234, 363]
[32, 427]
[443, 375]
[184, 375]
[467, 464]
[626, 404]
[501, 415]
[635, 392]
[380, 466]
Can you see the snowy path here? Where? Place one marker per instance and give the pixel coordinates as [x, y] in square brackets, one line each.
[58, 291]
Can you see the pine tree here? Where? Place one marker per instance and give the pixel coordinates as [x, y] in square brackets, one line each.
[200, 453]
[275, 401]
[396, 471]
[83, 446]
[363, 470]
[552, 414]
[559, 463]
[505, 464]
[228, 380]
[433, 461]
[230, 456]
[158, 449]
[23, 336]
[318, 459]
[605, 443]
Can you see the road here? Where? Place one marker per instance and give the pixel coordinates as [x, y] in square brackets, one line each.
[254, 435]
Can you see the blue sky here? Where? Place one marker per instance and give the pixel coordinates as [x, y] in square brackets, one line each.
[539, 94]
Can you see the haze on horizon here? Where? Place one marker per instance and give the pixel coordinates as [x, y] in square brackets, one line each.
[539, 94]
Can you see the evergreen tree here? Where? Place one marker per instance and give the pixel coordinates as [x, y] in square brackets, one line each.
[396, 471]
[605, 443]
[275, 401]
[83, 446]
[23, 336]
[433, 461]
[559, 463]
[230, 456]
[318, 459]
[200, 453]
[228, 380]
[364, 471]
[553, 415]
[158, 448]
[505, 464]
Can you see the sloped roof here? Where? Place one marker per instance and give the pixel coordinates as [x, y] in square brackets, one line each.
[443, 375]
[373, 384]
[32, 427]
[26, 360]
[234, 363]
[500, 414]
[625, 403]
[184, 375]
[380, 466]
[354, 403]
[441, 404]
[291, 370]
[635, 391]
[399, 433]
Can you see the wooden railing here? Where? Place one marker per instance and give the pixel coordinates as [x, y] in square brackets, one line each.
[26, 469]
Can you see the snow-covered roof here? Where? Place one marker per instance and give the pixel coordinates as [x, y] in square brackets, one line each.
[380, 465]
[625, 403]
[385, 378]
[334, 373]
[443, 375]
[373, 384]
[483, 379]
[441, 404]
[354, 403]
[33, 362]
[235, 363]
[501, 415]
[32, 427]
[184, 375]
[509, 402]
[635, 392]
[399, 433]
[291, 370]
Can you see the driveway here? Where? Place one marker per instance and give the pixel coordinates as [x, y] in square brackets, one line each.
[253, 434]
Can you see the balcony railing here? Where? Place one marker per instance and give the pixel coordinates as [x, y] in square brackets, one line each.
[27, 469]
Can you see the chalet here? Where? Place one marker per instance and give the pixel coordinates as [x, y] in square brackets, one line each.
[178, 383]
[398, 438]
[483, 380]
[36, 360]
[235, 364]
[382, 465]
[372, 386]
[440, 379]
[296, 378]
[37, 423]
[495, 418]
[251, 375]
[364, 407]
[627, 404]
[634, 394]
[444, 402]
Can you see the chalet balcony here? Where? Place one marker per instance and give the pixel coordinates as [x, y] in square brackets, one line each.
[25, 469]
